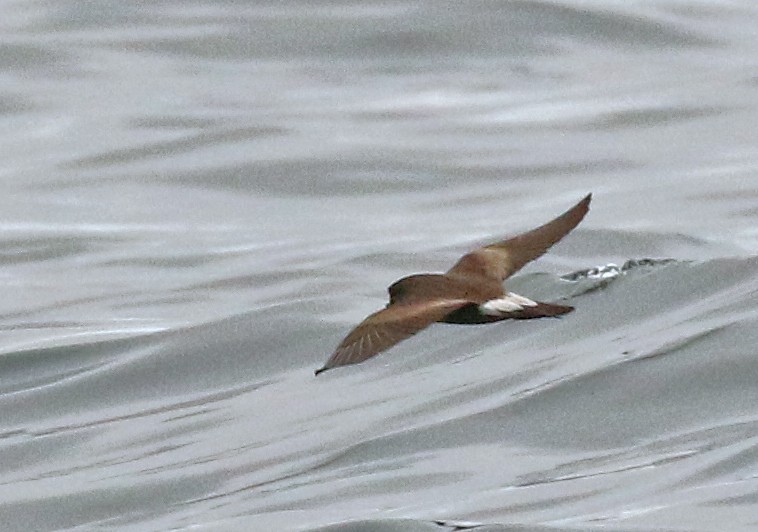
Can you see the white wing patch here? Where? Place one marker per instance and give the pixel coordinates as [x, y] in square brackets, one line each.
[510, 302]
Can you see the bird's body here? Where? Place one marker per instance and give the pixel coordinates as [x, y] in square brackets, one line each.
[423, 286]
[470, 292]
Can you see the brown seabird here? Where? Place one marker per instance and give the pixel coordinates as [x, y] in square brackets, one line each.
[470, 292]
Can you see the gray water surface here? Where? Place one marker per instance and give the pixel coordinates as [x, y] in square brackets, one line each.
[200, 199]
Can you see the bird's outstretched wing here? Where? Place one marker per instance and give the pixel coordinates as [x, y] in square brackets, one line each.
[502, 259]
[383, 329]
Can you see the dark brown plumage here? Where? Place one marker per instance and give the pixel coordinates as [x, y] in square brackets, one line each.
[469, 292]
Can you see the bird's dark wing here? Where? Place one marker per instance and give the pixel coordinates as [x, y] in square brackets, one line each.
[383, 329]
[502, 259]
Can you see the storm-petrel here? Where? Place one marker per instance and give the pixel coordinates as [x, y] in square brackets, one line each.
[470, 292]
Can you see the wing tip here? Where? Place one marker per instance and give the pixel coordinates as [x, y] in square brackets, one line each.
[585, 202]
[320, 370]
[576, 213]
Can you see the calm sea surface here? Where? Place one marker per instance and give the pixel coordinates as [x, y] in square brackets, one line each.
[199, 199]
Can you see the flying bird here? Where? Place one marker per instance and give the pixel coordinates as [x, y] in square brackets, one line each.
[470, 292]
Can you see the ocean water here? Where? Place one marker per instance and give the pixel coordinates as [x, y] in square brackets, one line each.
[200, 199]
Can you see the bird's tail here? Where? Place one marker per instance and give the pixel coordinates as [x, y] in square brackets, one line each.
[540, 310]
